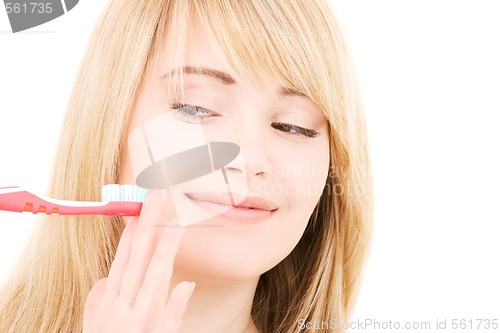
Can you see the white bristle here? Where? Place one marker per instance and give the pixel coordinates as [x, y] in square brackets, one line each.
[129, 193]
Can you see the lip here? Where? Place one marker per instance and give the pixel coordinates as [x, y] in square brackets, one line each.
[244, 207]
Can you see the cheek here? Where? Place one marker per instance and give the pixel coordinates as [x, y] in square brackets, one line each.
[302, 175]
[302, 178]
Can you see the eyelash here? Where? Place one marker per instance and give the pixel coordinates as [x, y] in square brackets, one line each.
[192, 118]
[309, 133]
[286, 128]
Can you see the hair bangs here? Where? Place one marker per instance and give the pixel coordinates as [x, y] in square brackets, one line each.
[264, 44]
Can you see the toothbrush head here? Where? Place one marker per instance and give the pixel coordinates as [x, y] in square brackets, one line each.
[126, 193]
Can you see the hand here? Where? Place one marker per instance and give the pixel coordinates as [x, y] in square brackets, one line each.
[134, 297]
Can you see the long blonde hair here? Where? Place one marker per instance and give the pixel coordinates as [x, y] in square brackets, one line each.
[297, 42]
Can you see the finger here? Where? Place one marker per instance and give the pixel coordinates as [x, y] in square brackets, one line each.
[121, 259]
[93, 302]
[143, 245]
[154, 290]
[176, 306]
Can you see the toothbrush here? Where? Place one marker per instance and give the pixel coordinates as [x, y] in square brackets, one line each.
[117, 200]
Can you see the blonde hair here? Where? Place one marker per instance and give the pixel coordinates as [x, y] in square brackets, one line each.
[297, 42]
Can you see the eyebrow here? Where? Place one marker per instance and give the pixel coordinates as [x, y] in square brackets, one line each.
[225, 78]
[221, 76]
[291, 92]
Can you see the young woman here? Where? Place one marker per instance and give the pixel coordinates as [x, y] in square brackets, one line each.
[275, 78]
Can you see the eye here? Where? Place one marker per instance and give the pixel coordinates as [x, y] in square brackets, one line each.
[192, 113]
[295, 130]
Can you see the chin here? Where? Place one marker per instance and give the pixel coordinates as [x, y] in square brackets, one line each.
[222, 263]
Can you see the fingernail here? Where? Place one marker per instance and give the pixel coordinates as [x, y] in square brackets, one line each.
[193, 285]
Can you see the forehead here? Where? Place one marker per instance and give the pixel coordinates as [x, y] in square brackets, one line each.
[199, 51]
[197, 48]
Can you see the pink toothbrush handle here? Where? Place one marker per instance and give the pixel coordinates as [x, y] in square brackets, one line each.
[14, 199]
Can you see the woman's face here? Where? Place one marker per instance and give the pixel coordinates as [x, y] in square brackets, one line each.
[276, 181]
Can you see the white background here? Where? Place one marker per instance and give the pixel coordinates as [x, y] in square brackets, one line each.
[430, 77]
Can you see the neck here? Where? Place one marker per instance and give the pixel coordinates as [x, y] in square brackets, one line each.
[221, 307]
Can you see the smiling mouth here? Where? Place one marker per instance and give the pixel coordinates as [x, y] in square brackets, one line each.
[233, 206]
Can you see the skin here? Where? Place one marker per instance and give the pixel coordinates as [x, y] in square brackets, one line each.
[224, 256]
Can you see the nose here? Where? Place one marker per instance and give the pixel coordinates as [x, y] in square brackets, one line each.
[254, 158]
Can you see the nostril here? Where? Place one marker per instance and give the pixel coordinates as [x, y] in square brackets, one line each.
[258, 169]
[233, 169]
